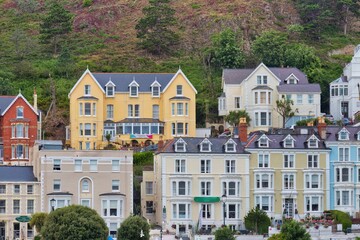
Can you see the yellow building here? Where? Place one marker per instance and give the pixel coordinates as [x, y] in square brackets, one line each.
[289, 173]
[134, 109]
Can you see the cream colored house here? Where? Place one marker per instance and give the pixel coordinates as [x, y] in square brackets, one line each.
[256, 91]
[19, 199]
[102, 180]
[198, 181]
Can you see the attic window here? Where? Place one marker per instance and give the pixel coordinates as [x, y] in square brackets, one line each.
[313, 142]
[20, 112]
[87, 90]
[263, 142]
[291, 81]
[289, 143]
[134, 89]
[109, 91]
[205, 146]
[262, 79]
[155, 91]
[343, 135]
[180, 146]
[230, 147]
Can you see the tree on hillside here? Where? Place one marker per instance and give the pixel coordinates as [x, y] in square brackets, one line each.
[132, 229]
[257, 220]
[301, 56]
[224, 233]
[234, 117]
[155, 29]
[291, 230]
[55, 25]
[270, 47]
[284, 108]
[226, 50]
[74, 222]
[347, 9]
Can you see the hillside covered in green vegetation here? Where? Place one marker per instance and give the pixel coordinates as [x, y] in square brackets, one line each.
[47, 45]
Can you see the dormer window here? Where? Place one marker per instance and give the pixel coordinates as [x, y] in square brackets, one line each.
[343, 134]
[155, 89]
[292, 79]
[133, 88]
[230, 146]
[289, 142]
[110, 89]
[20, 112]
[179, 90]
[87, 90]
[263, 141]
[313, 142]
[205, 146]
[180, 146]
[262, 80]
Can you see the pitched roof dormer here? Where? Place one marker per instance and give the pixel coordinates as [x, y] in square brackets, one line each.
[205, 145]
[180, 145]
[133, 88]
[110, 88]
[343, 134]
[155, 88]
[230, 145]
[313, 142]
[263, 141]
[292, 79]
[288, 142]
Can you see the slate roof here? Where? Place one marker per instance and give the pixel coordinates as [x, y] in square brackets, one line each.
[17, 174]
[276, 141]
[294, 88]
[193, 146]
[123, 80]
[5, 101]
[332, 133]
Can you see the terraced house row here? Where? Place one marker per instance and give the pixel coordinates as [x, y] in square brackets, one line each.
[206, 182]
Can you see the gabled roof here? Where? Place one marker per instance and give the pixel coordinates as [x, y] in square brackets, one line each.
[9, 104]
[237, 76]
[333, 131]
[17, 174]
[299, 88]
[192, 143]
[87, 71]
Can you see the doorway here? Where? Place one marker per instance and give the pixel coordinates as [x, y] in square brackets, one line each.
[289, 207]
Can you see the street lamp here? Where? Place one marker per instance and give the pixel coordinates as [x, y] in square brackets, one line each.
[52, 204]
[223, 200]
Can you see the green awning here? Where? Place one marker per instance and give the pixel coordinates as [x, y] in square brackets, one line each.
[207, 199]
[23, 219]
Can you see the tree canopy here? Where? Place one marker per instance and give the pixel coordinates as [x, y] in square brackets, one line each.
[257, 220]
[155, 29]
[132, 228]
[38, 220]
[224, 233]
[234, 117]
[292, 230]
[74, 222]
[284, 108]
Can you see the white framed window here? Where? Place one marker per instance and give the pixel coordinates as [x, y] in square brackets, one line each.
[16, 206]
[180, 146]
[230, 166]
[20, 112]
[56, 185]
[186, 109]
[81, 109]
[313, 181]
[264, 180]
[299, 98]
[288, 142]
[85, 202]
[181, 210]
[344, 197]
[94, 109]
[155, 91]
[112, 208]
[30, 189]
[207, 210]
[180, 165]
[87, 131]
[110, 90]
[263, 160]
[2, 189]
[289, 160]
[93, 165]
[181, 188]
[130, 111]
[262, 79]
[344, 174]
[179, 90]
[87, 109]
[173, 109]
[313, 203]
[137, 110]
[313, 142]
[20, 151]
[115, 165]
[343, 135]
[237, 102]
[310, 98]
[313, 161]
[155, 111]
[180, 109]
[109, 111]
[56, 164]
[149, 188]
[205, 188]
[2, 206]
[134, 88]
[205, 166]
[264, 202]
[230, 147]
[115, 185]
[344, 153]
[289, 181]
[78, 165]
[231, 188]
[149, 206]
[17, 189]
[87, 145]
[85, 185]
[263, 141]
[262, 118]
[87, 90]
[262, 97]
[205, 146]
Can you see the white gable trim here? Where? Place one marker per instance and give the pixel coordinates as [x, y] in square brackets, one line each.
[176, 74]
[230, 141]
[17, 97]
[78, 82]
[255, 70]
[134, 83]
[110, 83]
[155, 83]
[292, 75]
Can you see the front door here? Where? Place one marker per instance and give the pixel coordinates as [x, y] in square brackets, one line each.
[2, 231]
[289, 207]
[345, 109]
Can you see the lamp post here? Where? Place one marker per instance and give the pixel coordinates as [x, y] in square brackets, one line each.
[52, 204]
[223, 200]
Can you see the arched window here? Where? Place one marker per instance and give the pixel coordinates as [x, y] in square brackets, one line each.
[85, 185]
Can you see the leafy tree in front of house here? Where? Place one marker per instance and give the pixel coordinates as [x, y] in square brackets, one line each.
[257, 220]
[233, 117]
[38, 220]
[74, 222]
[291, 230]
[284, 108]
[155, 29]
[133, 227]
[56, 24]
[224, 233]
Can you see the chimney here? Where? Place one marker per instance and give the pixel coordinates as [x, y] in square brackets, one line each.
[35, 100]
[242, 127]
[321, 127]
[160, 144]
